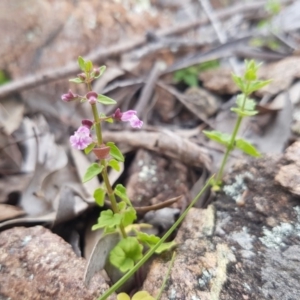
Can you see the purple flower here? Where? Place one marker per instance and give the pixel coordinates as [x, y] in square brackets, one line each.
[92, 97]
[81, 138]
[128, 116]
[70, 96]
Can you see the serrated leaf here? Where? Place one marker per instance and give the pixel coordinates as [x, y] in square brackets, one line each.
[244, 113]
[89, 148]
[257, 85]
[81, 63]
[92, 171]
[115, 152]
[165, 247]
[108, 219]
[149, 240]
[106, 100]
[120, 191]
[128, 216]
[246, 147]
[122, 205]
[114, 164]
[219, 137]
[249, 103]
[126, 253]
[99, 196]
[76, 80]
[239, 82]
[88, 66]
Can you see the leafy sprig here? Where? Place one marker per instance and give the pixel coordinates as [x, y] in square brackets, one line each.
[245, 107]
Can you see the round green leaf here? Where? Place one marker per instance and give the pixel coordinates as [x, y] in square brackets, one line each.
[142, 295]
[123, 296]
[126, 253]
[76, 80]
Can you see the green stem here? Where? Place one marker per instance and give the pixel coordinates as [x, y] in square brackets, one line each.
[140, 263]
[230, 147]
[109, 189]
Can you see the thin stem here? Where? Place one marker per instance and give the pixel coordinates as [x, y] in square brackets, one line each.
[230, 147]
[109, 189]
[97, 124]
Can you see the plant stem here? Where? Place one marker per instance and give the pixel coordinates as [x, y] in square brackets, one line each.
[230, 147]
[109, 189]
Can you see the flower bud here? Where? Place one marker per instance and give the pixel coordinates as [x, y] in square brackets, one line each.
[87, 123]
[92, 97]
[82, 76]
[70, 96]
[96, 72]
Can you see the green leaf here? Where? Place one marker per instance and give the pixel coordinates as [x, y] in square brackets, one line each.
[88, 66]
[165, 247]
[81, 63]
[249, 103]
[106, 100]
[92, 171]
[149, 240]
[99, 195]
[76, 80]
[191, 80]
[120, 191]
[101, 71]
[246, 147]
[108, 219]
[114, 164]
[126, 253]
[257, 85]
[123, 296]
[109, 120]
[244, 113]
[239, 82]
[128, 216]
[115, 152]
[142, 295]
[219, 137]
[89, 148]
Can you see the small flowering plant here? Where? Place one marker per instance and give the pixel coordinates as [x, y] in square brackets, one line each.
[245, 107]
[88, 137]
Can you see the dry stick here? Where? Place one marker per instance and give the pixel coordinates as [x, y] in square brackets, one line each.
[164, 142]
[100, 55]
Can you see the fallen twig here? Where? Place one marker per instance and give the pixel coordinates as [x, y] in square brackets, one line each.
[164, 142]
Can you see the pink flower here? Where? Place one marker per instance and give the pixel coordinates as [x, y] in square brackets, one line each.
[81, 138]
[70, 96]
[87, 123]
[92, 97]
[128, 116]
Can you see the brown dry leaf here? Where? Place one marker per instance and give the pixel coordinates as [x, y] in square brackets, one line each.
[282, 74]
[98, 258]
[219, 81]
[10, 212]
